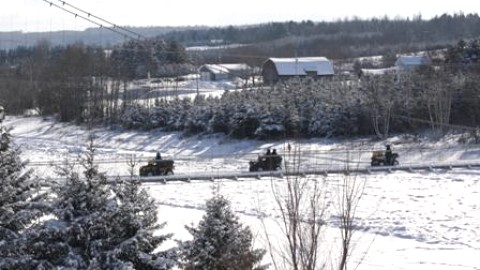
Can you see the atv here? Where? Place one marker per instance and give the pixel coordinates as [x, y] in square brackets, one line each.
[157, 167]
[380, 159]
[266, 163]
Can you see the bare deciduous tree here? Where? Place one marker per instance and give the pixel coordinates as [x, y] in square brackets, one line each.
[350, 193]
[132, 162]
[303, 204]
[380, 96]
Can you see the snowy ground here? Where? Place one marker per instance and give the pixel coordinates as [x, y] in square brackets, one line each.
[190, 86]
[419, 220]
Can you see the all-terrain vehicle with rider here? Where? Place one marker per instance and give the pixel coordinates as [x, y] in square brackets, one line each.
[267, 162]
[384, 158]
[157, 166]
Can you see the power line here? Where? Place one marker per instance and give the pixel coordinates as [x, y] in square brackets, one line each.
[112, 28]
[101, 19]
[127, 33]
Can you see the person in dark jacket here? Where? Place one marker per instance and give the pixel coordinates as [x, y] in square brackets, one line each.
[388, 155]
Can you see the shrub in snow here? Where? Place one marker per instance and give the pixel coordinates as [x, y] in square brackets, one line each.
[271, 126]
[135, 117]
[244, 122]
[197, 121]
[220, 241]
[218, 122]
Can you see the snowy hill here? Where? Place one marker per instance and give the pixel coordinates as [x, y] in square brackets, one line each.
[405, 220]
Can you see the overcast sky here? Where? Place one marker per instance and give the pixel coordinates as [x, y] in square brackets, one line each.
[38, 15]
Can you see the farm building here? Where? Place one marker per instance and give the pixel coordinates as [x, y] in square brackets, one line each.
[277, 69]
[406, 63]
[218, 72]
[377, 71]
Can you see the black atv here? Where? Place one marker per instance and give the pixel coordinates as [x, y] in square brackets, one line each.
[266, 163]
[380, 159]
[157, 167]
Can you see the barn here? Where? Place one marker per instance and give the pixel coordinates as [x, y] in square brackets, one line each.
[278, 69]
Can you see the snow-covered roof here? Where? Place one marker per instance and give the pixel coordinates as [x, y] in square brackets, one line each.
[225, 68]
[236, 67]
[216, 69]
[378, 71]
[412, 60]
[302, 65]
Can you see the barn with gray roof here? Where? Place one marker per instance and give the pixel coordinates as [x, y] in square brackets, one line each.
[278, 69]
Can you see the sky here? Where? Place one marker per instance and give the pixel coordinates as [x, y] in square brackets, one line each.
[40, 16]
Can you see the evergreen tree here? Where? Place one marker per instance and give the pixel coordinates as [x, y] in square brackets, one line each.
[133, 238]
[271, 124]
[244, 122]
[20, 201]
[220, 241]
[99, 226]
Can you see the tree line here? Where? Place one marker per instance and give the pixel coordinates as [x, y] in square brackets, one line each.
[345, 38]
[409, 101]
[81, 83]
[429, 96]
[90, 84]
[393, 30]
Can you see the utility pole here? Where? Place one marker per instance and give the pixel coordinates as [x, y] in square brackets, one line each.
[195, 63]
[2, 114]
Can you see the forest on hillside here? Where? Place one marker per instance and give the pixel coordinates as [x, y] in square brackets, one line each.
[88, 84]
[80, 84]
[348, 38]
[398, 30]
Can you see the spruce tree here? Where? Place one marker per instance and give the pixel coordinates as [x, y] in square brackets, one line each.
[220, 241]
[21, 201]
[99, 225]
[133, 239]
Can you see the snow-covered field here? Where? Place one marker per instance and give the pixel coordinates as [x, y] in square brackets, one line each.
[151, 89]
[405, 220]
